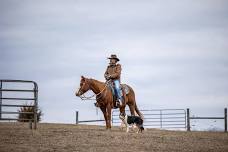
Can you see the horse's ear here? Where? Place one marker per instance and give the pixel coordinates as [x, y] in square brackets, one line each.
[82, 77]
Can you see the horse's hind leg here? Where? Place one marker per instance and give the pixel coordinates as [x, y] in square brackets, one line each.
[132, 109]
[131, 101]
[122, 110]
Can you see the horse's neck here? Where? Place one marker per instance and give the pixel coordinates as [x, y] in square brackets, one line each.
[96, 86]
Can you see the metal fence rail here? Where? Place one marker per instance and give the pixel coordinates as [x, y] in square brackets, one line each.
[5, 101]
[85, 121]
[162, 118]
[155, 118]
[158, 118]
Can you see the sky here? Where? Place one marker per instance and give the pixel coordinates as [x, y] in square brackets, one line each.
[173, 53]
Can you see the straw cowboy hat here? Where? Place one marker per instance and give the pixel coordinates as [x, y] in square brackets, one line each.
[113, 56]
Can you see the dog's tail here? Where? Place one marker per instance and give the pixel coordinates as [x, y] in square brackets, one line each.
[138, 112]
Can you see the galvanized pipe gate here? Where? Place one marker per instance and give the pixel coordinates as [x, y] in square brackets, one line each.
[5, 100]
[158, 118]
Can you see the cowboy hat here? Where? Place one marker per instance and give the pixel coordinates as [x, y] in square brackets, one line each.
[113, 56]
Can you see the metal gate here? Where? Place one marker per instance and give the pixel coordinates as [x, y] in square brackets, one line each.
[9, 102]
[158, 118]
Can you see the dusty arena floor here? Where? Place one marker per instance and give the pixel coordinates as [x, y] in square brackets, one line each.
[16, 137]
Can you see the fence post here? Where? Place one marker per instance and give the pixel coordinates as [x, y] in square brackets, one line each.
[225, 119]
[76, 117]
[188, 120]
[35, 104]
[30, 124]
[161, 118]
[1, 100]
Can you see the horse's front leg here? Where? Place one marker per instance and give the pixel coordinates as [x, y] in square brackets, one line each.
[109, 115]
[103, 109]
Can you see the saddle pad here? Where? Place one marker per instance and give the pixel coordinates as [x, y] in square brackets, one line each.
[123, 87]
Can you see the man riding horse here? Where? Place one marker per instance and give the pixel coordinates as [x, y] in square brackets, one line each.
[113, 73]
[104, 95]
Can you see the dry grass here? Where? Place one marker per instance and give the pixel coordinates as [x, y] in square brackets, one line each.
[61, 137]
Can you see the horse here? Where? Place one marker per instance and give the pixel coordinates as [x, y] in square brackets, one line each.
[104, 98]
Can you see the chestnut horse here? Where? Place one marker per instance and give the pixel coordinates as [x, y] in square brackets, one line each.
[105, 99]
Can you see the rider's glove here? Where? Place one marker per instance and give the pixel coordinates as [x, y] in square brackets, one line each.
[107, 77]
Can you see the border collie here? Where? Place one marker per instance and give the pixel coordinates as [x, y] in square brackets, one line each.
[131, 120]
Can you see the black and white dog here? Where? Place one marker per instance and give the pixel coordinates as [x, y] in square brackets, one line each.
[132, 120]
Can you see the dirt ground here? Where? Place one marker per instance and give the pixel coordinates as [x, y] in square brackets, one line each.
[16, 137]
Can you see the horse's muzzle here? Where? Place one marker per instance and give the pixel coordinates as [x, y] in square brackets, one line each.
[78, 94]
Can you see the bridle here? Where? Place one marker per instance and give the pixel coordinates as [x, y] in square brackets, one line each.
[83, 97]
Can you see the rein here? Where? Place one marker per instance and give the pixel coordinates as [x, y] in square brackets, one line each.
[83, 97]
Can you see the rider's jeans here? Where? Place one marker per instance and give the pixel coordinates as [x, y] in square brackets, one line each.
[117, 89]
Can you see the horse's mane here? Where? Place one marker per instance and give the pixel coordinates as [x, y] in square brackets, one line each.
[97, 81]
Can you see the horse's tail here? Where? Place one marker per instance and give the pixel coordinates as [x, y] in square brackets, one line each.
[138, 112]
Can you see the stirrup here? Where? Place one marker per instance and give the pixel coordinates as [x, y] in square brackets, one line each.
[119, 103]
